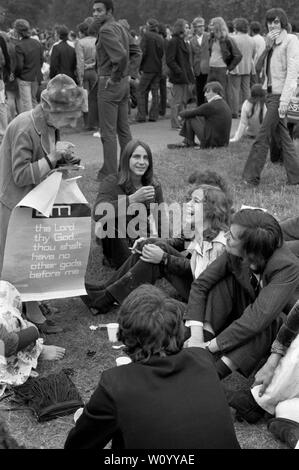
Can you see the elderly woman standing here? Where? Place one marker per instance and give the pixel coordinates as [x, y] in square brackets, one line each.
[29, 151]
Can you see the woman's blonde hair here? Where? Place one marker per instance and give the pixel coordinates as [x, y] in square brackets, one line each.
[220, 27]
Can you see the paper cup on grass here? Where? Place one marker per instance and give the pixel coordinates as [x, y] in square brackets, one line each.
[77, 414]
[112, 329]
[122, 360]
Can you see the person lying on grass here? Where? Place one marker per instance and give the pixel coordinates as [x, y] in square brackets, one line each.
[166, 398]
[20, 342]
[235, 305]
[179, 260]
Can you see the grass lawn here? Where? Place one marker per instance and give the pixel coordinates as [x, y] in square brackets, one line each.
[89, 352]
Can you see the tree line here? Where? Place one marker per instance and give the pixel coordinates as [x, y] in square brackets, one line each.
[45, 13]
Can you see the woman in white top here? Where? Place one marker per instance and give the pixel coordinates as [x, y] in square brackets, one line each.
[252, 114]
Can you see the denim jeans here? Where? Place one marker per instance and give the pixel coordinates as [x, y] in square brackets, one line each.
[27, 91]
[113, 120]
[148, 82]
[272, 125]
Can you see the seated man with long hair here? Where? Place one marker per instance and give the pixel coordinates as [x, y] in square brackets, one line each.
[236, 303]
[167, 398]
[210, 122]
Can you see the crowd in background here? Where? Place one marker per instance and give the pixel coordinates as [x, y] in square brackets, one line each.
[238, 271]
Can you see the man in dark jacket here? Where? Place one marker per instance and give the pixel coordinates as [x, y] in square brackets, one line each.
[236, 303]
[210, 122]
[166, 398]
[118, 59]
[152, 47]
[180, 72]
[63, 57]
[29, 56]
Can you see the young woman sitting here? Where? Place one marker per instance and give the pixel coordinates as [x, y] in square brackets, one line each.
[179, 260]
[236, 302]
[114, 207]
[166, 398]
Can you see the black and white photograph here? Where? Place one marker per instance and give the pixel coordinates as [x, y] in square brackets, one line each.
[149, 228]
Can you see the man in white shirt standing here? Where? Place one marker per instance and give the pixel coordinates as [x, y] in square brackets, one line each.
[200, 57]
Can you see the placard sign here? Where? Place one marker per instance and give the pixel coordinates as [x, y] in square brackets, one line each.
[48, 241]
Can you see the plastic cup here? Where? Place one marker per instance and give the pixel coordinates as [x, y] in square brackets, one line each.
[112, 329]
[77, 414]
[122, 360]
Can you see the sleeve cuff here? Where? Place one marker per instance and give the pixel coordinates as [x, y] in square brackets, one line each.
[278, 348]
[193, 323]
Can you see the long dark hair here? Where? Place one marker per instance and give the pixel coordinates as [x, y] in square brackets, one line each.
[261, 237]
[124, 174]
[257, 96]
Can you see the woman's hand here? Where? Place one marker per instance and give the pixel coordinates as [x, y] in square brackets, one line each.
[264, 376]
[152, 254]
[62, 150]
[143, 194]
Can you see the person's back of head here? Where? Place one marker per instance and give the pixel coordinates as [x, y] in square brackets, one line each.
[153, 25]
[241, 25]
[261, 236]
[62, 32]
[255, 27]
[150, 324]
[83, 29]
[230, 26]
[22, 27]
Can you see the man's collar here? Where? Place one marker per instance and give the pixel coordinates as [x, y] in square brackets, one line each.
[215, 97]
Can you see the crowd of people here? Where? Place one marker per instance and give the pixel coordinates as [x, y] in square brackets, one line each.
[236, 273]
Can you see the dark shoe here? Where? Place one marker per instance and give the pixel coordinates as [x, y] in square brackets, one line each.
[140, 120]
[250, 183]
[235, 116]
[246, 407]
[285, 430]
[101, 302]
[152, 120]
[49, 328]
[182, 145]
[288, 183]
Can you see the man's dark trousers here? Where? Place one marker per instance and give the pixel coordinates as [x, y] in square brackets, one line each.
[272, 125]
[113, 120]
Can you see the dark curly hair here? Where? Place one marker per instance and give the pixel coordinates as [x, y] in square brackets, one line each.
[150, 324]
[209, 177]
